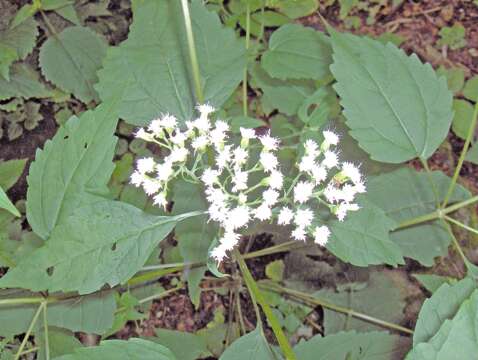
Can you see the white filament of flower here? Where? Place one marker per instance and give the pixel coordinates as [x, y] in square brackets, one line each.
[234, 201]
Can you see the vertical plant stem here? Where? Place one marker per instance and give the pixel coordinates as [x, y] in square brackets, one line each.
[29, 331]
[244, 81]
[469, 137]
[192, 52]
[45, 331]
[257, 296]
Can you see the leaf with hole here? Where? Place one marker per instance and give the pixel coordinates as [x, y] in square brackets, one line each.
[73, 169]
[396, 107]
[151, 73]
[106, 242]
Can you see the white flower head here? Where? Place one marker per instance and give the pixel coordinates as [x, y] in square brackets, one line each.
[200, 143]
[311, 148]
[137, 178]
[270, 197]
[164, 171]
[343, 208]
[263, 212]
[319, 173]
[156, 127]
[229, 240]
[285, 216]
[268, 161]
[145, 165]
[239, 180]
[240, 156]
[276, 180]
[332, 193]
[247, 133]
[303, 217]
[205, 109]
[303, 191]
[178, 154]
[209, 176]
[330, 138]
[352, 172]
[169, 122]
[238, 217]
[179, 138]
[218, 253]
[160, 199]
[151, 186]
[299, 234]
[321, 235]
[144, 135]
[268, 142]
[307, 163]
[223, 157]
[331, 159]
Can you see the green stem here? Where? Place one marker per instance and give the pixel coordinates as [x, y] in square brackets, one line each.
[244, 81]
[314, 301]
[257, 296]
[437, 214]
[466, 227]
[29, 330]
[468, 264]
[469, 137]
[45, 330]
[289, 245]
[192, 52]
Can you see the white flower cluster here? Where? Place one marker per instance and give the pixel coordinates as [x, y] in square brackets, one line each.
[234, 200]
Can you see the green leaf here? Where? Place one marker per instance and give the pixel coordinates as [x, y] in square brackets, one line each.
[444, 304]
[102, 243]
[25, 13]
[275, 270]
[24, 82]
[472, 155]
[73, 169]
[462, 118]
[319, 108]
[286, 96]
[432, 282]
[363, 239]
[71, 60]
[6, 204]
[60, 342]
[452, 36]
[297, 52]
[183, 345]
[396, 107]
[381, 297]
[252, 346]
[455, 77]
[349, 345]
[134, 348]
[151, 69]
[296, 8]
[471, 89]
[92, 314]
[447, 326]
[405, 194]
[21, 40]
[126, 311]
[194, 235]
[10, 172]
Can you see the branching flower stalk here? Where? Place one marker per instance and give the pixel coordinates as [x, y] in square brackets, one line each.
[243, 180]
